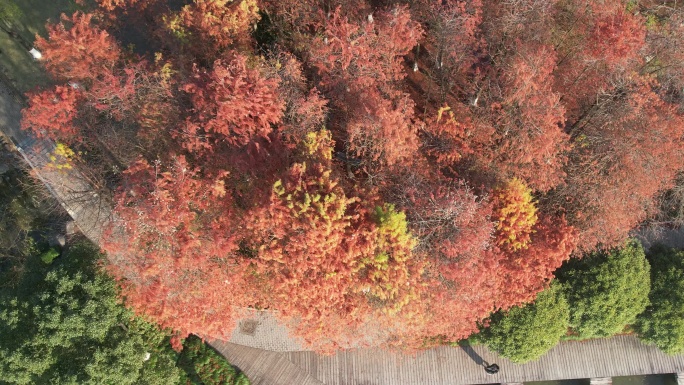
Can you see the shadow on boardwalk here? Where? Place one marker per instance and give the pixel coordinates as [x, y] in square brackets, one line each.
[472, 354]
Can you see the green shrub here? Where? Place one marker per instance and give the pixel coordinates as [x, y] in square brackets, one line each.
[203, 366]
[606, 290]
[526, 333]
[49, 255]
[663, 321]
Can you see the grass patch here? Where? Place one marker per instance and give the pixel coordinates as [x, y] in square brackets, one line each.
[204, 366]
[37, 12]
[16, 64]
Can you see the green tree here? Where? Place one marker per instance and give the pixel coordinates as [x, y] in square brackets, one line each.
[24, 224]
[663, 321]
[11, 21]
[62, 324]
[204, 366]
[606, 290]
[9, 12]
[526, 333]
[18, 213]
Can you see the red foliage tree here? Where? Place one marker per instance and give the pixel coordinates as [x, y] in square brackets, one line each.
[111, 5]
[664, 54]
[448, 219]
[232, 103]
[131, 109]
[171, 247]
[525, 116]
[522, 274]
[121, 102]
[381, 132]
[364, 54]
[313, 244]
[359, 64]
[308, 244]
[76, 50]
[218, 24]
[114, 92]
[455, 236]
[304, 16]
[467, 289]
[452, 41]
[445, 139]
[595, 39]
[515, 213]
[305, 108]
[529, 127]
[617, 37]
[626, 149]
[51, 114]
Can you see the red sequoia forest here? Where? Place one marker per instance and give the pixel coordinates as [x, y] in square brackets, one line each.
[378, 172]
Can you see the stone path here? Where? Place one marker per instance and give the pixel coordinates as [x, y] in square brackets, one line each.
[90, 211]
[665, 235]
[262, 331]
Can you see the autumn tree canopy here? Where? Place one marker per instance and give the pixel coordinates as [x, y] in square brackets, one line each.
[376, 173]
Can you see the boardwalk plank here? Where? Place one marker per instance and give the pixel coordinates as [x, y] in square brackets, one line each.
[264, 367]
[612, 357]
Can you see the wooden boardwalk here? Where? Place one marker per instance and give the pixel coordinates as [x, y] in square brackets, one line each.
[265, 367]
[610, 357]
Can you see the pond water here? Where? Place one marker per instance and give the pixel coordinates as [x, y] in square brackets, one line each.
[560, 382]
[652, 379]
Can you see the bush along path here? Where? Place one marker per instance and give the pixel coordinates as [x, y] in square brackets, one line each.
[203, 365]
[62, 323]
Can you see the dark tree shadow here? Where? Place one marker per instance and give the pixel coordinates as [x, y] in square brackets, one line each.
[473, 355]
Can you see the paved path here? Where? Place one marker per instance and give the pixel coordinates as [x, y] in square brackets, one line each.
[283, 364]
[671, 237]
[71, 190]
[261, 330]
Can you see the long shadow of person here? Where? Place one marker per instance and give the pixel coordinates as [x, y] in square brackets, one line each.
[473, 355]
[489, 368]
